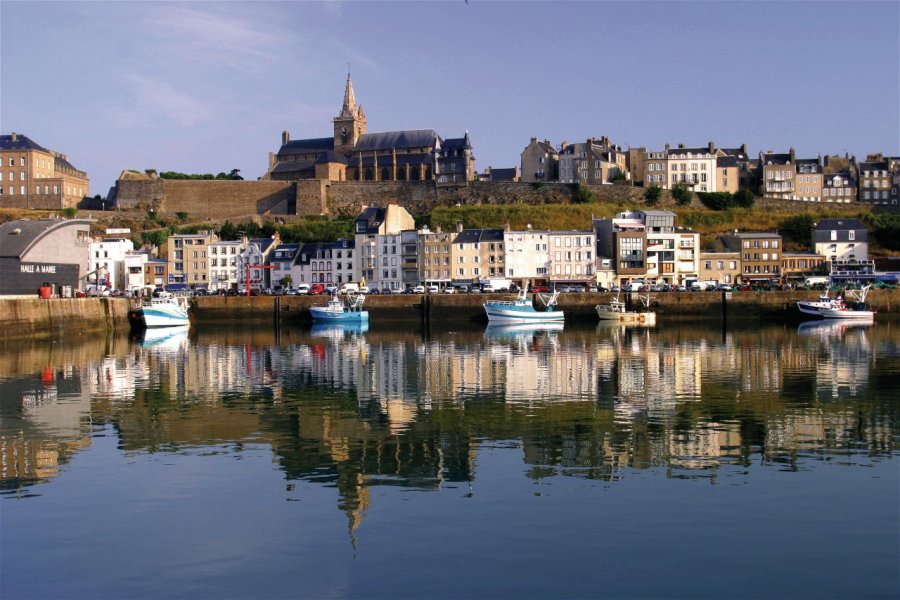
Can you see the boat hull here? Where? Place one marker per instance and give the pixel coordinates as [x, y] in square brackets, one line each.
[323, 315]
[647, 318]
[513, 315]
[151, 317]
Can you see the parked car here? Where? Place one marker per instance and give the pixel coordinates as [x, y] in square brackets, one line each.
[398, 291]
[540, 289]
[724, 287]
[331, 290]
[291, 292]
[386, 290]
[433, 289]
[317, 289]
[303, 289]
[488, 288]
[449, 290]
[419, 289]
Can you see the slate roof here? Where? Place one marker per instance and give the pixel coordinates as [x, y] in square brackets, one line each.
[737, 153]
[776, 159]
[413, 138]
[16, 245]
[840, 225]
[874, 166]
[285, 252]
[686, 151]
[308, 145]
[462, 143]
[474, 236]
[726, 161]
[372, 218]
[402, 160]
[503, 174]
[23, 142]
[263, 244]
[843, 175]
[294, 166]
[330, 156]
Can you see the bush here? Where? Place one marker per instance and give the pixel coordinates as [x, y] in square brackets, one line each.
[652, 195]
[581, 194]
[682, 194]
[744, 198]
[797, 229]
[182, 216]
[69, 212]
[716, 200]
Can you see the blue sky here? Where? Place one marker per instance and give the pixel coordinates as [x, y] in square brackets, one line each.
[209, 86]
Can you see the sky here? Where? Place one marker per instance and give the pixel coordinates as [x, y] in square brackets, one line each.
[207, 87]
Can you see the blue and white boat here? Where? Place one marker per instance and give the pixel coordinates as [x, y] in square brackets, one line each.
[337, 310]
[163, 310]
[522, 310]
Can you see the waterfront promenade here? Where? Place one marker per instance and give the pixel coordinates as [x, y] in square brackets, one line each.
[27, 317]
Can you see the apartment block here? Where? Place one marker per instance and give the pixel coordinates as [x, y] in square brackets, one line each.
[32, 176]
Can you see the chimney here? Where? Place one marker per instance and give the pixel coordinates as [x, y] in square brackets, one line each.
[792, 155]
[14, 136]
[285, 137]
[744, 149]
[459, 226]
[681, 146]
[534, 140]
[667, 148]
[712, 148]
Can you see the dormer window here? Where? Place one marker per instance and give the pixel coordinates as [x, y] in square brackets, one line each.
[851, 235]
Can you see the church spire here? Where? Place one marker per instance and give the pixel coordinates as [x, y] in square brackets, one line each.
[349, 108]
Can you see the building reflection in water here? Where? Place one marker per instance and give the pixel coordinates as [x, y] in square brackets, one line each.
[353, 408]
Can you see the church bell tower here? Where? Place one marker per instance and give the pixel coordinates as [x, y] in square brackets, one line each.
[350, 124]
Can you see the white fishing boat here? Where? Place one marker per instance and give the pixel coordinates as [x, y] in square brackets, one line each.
[617, 311]
[828, 307]
[163, 310]
[345, 311]
[522, 310]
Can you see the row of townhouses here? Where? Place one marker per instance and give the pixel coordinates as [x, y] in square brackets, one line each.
[782, 176]
[388, 252]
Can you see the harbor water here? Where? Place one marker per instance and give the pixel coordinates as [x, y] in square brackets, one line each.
[392, 461]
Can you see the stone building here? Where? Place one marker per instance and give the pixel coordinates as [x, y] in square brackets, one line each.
[760, 255]
[540, 162]
[32, 176]
[777, 176]
[353, 154]
[592, 162]
[188, 256]
[875, 182]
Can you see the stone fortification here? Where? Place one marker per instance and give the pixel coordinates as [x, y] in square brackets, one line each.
[226, 199]
[221, 199]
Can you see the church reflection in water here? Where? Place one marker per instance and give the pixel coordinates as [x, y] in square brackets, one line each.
[356, 408]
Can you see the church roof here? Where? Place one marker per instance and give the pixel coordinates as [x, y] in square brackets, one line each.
[294, 166]
[413, 138]
[307, 145]
[330, 156]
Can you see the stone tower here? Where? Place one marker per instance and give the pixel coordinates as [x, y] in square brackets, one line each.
[350, 124]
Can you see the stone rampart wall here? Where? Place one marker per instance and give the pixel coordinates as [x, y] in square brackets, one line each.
[27, 317]
[225, 199]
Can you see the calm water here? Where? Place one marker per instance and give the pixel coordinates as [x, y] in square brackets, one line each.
[678, 461]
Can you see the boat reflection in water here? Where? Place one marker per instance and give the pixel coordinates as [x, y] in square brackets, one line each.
[832, 328]
[166, 338]
[502, 330]
[338, 329]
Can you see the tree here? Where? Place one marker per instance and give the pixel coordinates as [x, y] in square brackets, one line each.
[744, 198]
[682, 194]
[286, 281]
[234, 174]
[652, 195]
[69, 212]
[581, 194]
[182, 216]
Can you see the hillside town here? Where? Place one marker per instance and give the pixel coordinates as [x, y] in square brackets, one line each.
[389, 254]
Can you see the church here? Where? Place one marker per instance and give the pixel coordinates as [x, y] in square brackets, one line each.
[355, 155]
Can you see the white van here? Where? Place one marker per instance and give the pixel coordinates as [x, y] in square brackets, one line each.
[303, 289]
[350, 287]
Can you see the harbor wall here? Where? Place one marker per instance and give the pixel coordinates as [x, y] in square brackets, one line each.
[448, 307]
[33, 317]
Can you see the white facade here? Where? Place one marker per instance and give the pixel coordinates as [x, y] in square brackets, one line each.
[133, 267]
[571, 256]
[223, 264]
[107, 262]
[389, 272]
[527, 255]
[673, 256]
[693, 167]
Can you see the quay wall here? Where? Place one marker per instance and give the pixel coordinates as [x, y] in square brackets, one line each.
[440, 307]
[33, 317]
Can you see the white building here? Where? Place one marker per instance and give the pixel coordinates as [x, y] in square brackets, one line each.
[107, 262]
[133, 270]
[527, 256]
[693, 167]
[571, 256]
[223, 263]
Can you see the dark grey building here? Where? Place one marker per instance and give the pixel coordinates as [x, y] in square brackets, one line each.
[38, 252]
